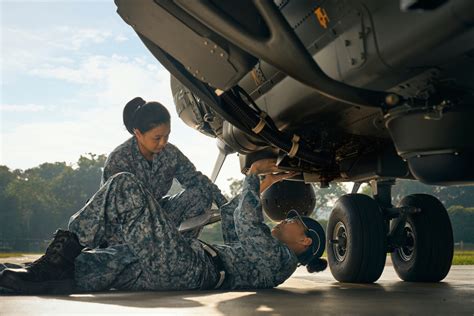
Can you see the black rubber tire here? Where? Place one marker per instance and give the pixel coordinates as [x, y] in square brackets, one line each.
[366, 247]
[432, 253]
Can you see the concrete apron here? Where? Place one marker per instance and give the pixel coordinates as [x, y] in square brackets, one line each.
[302, 293]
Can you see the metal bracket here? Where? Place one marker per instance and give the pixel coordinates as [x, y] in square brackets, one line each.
[396, 237]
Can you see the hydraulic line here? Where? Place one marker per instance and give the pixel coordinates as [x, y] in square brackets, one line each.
[282, 140]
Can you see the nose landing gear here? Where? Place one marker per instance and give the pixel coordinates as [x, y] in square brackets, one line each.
[417, 233]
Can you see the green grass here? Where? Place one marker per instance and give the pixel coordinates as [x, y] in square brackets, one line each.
[465, 257]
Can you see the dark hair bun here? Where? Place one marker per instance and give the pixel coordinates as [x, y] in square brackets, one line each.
[129, 112]
[316, 265]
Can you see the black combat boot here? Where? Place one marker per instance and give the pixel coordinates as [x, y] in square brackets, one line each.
[53, 273]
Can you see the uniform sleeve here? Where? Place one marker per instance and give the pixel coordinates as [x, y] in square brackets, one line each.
[273, 260]
[112, 166]
[227, 221]
[252, 232]
[188, 177]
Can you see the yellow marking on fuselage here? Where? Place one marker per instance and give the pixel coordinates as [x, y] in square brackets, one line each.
[322, 17]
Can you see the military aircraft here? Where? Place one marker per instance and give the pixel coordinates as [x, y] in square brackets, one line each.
[367, 91]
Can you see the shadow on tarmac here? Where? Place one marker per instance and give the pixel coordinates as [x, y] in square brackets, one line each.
[300, 294]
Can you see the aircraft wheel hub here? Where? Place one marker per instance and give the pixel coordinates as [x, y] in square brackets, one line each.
[406, 251]
[339, 244]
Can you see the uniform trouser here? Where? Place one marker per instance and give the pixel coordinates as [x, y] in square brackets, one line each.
[188, 203]
[145, 251]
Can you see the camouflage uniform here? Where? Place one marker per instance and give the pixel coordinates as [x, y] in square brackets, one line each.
[157, 176]
[146, 252]
[144, 249]
[253, 258]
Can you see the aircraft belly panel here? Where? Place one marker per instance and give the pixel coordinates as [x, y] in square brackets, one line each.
[292, 104]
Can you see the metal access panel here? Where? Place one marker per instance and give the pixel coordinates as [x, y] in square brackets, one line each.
[201, 51]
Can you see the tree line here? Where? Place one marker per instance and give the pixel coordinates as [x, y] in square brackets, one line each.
[36, 201]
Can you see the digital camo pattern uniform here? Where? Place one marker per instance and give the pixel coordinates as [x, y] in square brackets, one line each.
[157, 176]
[146, 252]
[253, 258]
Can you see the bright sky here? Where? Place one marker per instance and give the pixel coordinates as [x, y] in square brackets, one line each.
[67, 69]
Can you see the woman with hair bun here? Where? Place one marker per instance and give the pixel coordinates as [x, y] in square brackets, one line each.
[155, 162]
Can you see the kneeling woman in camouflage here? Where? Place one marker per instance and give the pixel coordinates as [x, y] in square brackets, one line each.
[146, 252]
[155, 162]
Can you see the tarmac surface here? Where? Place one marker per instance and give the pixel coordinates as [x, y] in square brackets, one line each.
[302, 294]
